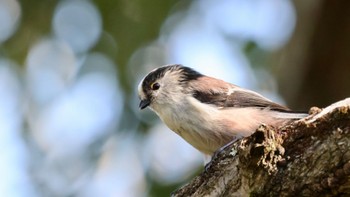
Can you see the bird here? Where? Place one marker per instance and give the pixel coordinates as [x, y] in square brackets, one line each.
[205, 111]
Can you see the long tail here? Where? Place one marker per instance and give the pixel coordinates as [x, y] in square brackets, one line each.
[291, 115]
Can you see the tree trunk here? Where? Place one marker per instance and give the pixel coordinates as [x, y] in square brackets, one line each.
[314, 65]
[308, 157]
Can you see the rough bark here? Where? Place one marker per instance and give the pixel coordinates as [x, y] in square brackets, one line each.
[307, 157]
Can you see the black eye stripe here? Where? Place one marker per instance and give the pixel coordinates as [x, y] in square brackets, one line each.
[153, 76]
[187, 73]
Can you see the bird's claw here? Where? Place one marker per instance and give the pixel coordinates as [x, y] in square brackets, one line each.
[217, 152]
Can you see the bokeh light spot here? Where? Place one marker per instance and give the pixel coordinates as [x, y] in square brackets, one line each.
[10, 13]
[78, 23]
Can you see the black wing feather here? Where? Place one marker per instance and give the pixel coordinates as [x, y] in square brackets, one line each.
[238, 98]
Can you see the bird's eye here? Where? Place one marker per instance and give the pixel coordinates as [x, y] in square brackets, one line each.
[155, 86]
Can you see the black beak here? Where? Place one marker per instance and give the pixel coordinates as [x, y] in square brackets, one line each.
[144, 103]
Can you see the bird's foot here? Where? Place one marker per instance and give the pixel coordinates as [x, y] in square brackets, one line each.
[217, 152]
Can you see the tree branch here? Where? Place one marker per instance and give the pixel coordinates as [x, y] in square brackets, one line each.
[307, 157]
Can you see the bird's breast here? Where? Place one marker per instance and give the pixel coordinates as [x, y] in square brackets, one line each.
[198, 125]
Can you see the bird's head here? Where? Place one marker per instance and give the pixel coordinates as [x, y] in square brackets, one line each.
[165, 85]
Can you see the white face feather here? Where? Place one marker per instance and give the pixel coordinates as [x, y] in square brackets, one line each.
[169, 92]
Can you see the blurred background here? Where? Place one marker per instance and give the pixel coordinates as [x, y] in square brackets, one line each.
[69, 118]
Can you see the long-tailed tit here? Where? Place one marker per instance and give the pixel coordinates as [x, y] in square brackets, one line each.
[207, 112]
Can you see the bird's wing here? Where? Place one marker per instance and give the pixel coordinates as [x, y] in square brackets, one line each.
[237, 97]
